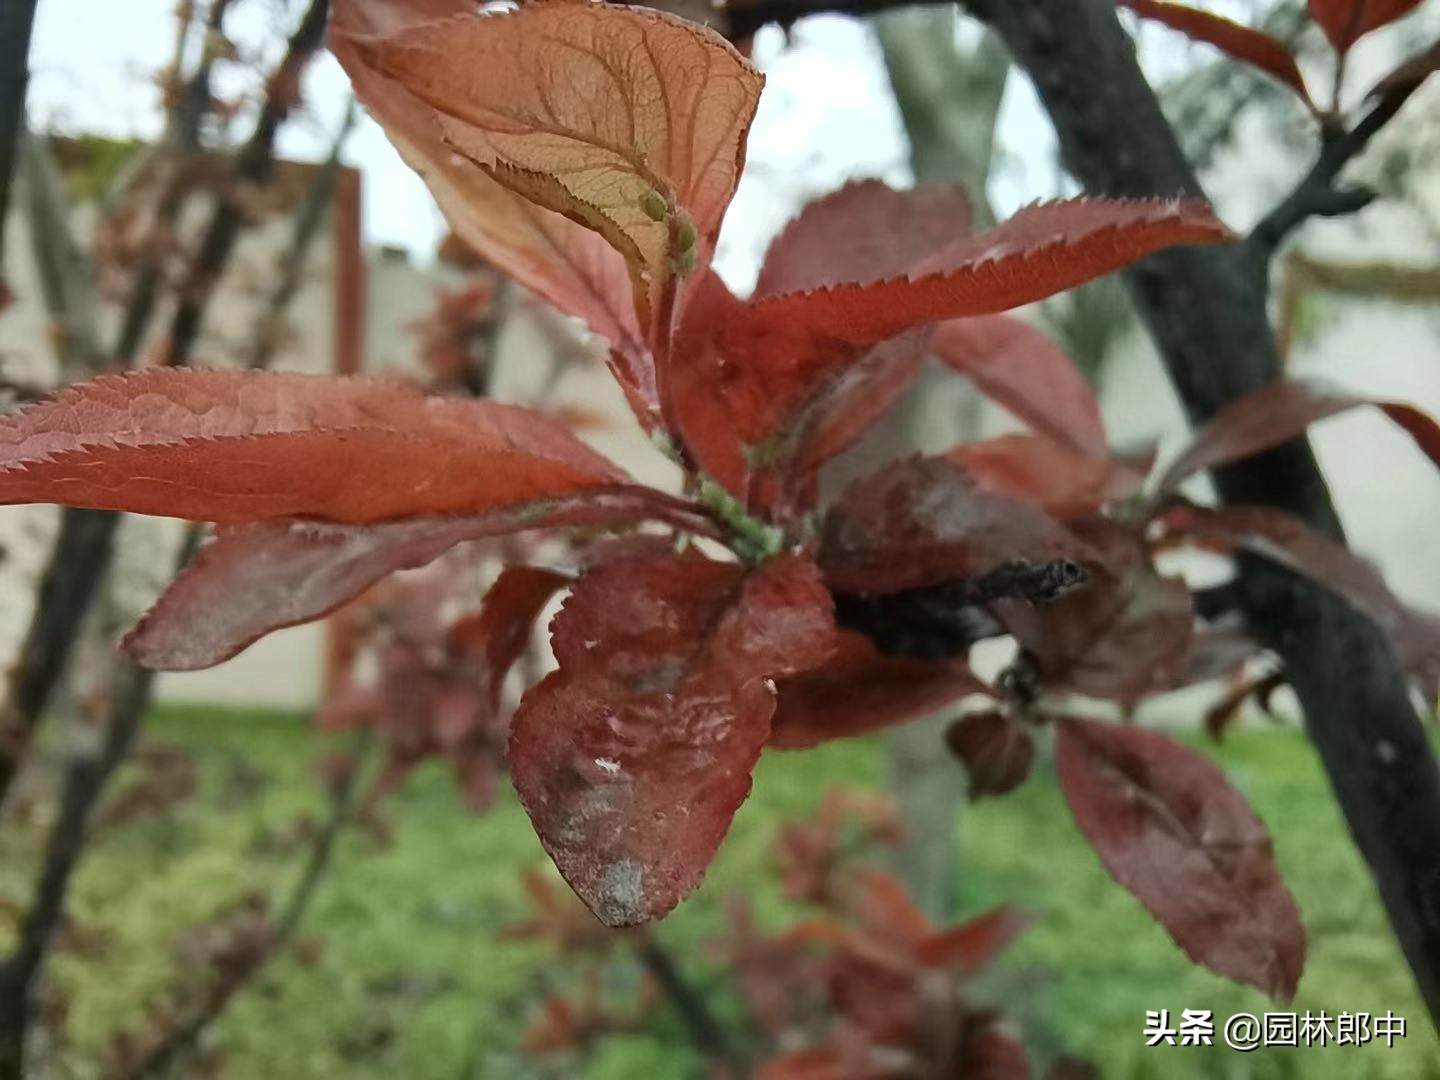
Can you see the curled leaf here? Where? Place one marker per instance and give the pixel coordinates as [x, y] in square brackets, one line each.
[1277, 412]
[628, 121]
[997, 750]
[252, 579]
[922, 521]
[1253, 47]
[563, 262]
[1170, 828]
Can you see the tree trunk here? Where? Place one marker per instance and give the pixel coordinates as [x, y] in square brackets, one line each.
[1206, 309]
[952, 143]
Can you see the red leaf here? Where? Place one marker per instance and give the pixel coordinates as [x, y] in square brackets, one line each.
[497, 635]
[1346, 21]
[860, 690]
[773, 355]
[1018, 367]
[632, 758]
[1276, 413]
[922, 521]
[1125, 635]
[1033, 469]
[252, 579]
[627, 121]
[561, 261]
[973, 945]
[234, 447]
[1287, 540]
[1239, 42]
[1170, 828]
[997, 750]
[865, 231]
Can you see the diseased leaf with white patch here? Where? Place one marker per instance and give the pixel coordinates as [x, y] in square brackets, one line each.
[632, 758]
[1171, 829]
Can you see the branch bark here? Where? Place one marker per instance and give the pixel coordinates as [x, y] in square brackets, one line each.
[17, 17]
[1206, 310]
[949, 101]
[84, 546]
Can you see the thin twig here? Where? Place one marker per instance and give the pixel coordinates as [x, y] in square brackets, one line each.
[310, 215]
[183, 1036]
[182, 137]
[1316, 195]
[709, 1036]
[84, 783]
[253, 164]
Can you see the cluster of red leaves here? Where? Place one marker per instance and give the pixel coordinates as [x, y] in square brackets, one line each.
[865, 987]
[430, 681]
[869, 987]
[453, 339]
[590, 152]
[1344, 22]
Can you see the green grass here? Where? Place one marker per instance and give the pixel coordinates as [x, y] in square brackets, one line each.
[411, 981]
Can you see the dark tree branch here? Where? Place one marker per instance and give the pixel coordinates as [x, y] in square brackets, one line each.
[311, 214]
[83, 549]
[183, 138]
[1317, 194]
[745, 17]
[17, 17]
[1206, 311]
[253, 164]
[709, 1036]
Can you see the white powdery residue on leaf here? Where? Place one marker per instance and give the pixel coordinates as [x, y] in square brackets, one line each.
[620, 894]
